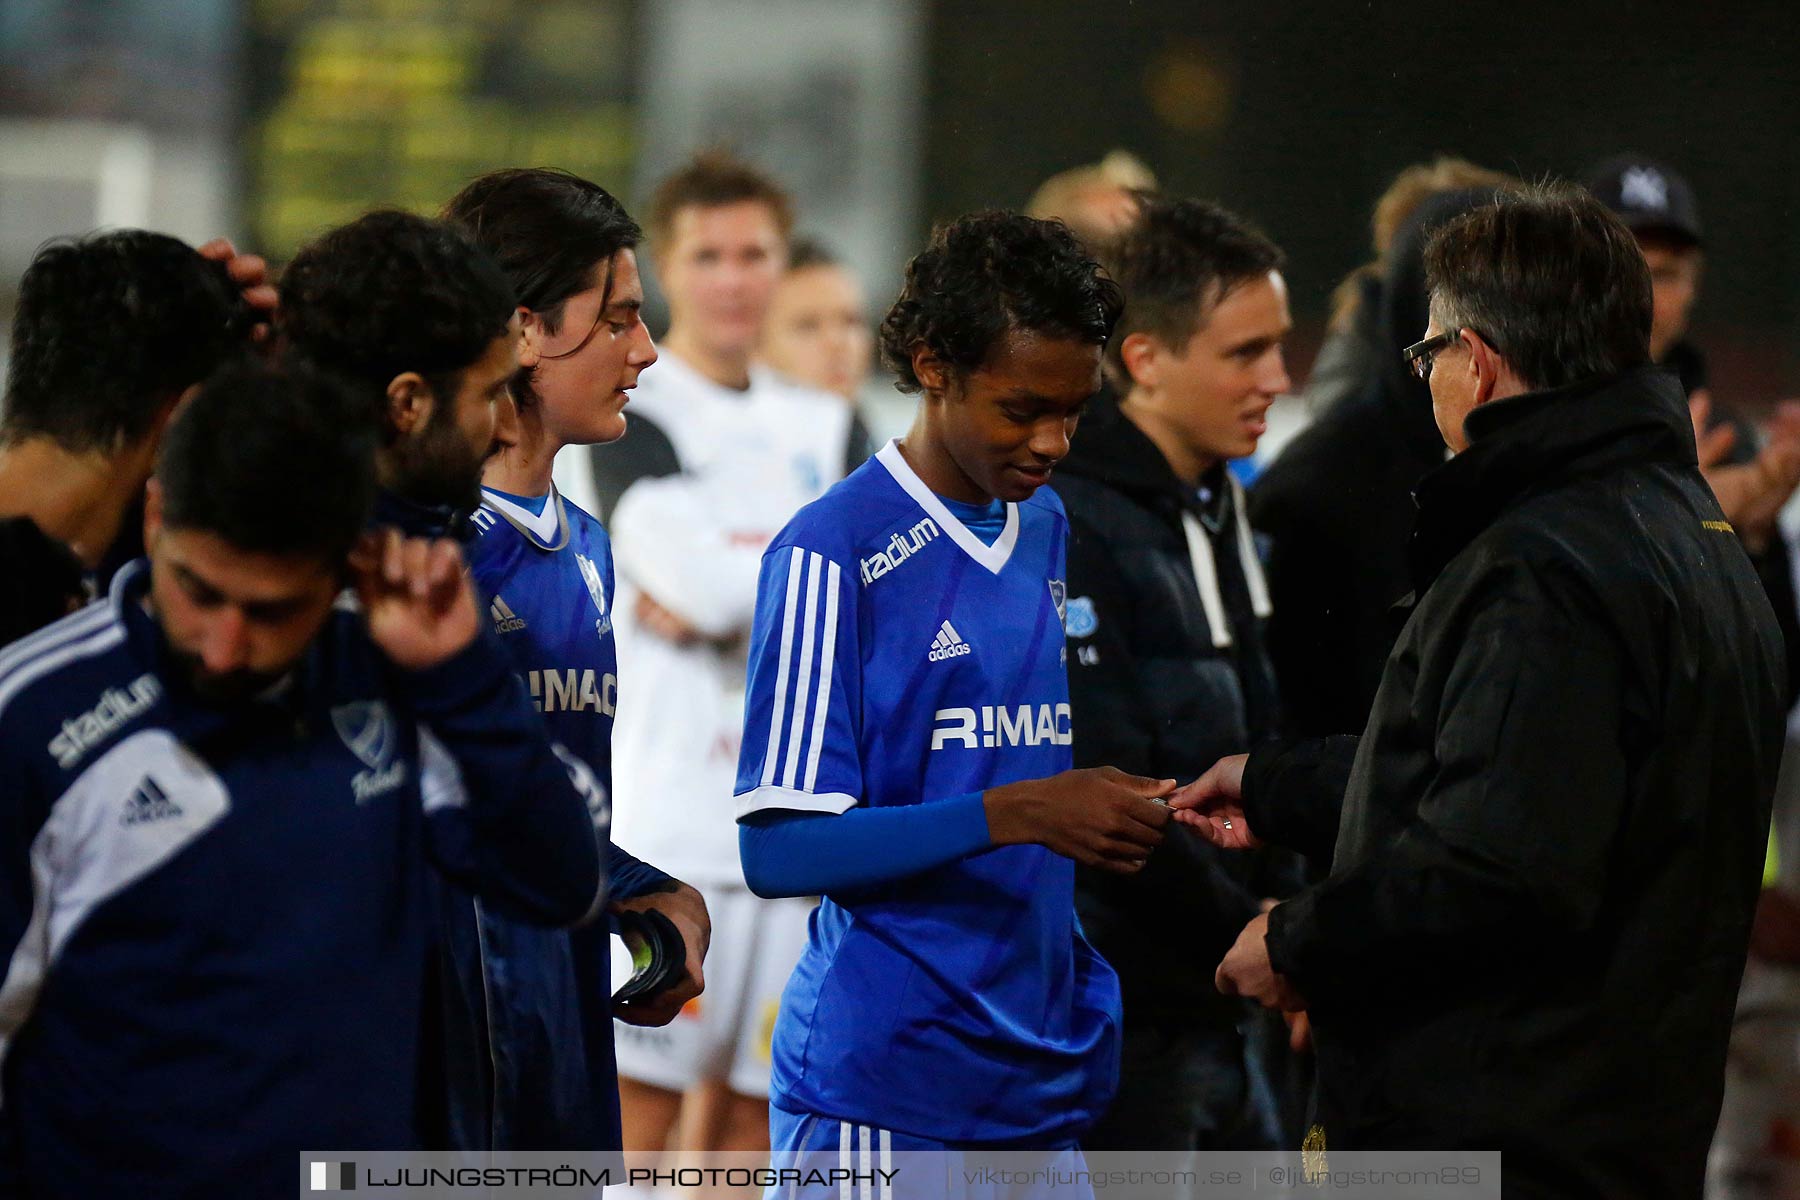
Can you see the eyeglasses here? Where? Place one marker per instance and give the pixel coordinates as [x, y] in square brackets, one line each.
[1420, 355]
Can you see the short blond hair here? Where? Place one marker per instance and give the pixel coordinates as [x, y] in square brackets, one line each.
[1409, 189]
[1062, 196]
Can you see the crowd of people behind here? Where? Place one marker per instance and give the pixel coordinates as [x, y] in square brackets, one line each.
[1055, 776]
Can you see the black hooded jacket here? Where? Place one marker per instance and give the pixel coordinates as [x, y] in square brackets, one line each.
[1552, 831]
[1154, 692]
[1336, 506]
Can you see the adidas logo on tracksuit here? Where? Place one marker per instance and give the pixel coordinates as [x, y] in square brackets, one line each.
[148, 803]
[947, 644]
[505, 620]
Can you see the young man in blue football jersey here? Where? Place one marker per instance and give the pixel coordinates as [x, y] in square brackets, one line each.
[223, 789]
[906, 745]
[426, 322]
[568, 248]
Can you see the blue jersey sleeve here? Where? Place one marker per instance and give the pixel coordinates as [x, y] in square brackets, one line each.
[802, 854]
[802, 727]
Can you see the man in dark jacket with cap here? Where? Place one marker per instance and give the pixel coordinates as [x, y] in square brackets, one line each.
[1752, 479]
[1166, 603]
[1550, 833]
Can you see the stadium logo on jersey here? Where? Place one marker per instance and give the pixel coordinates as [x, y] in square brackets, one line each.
[1081, 620]
[590, 575]
[900, 547]
[148, 802]
[505, 620]
[366, 728]
[573, 691]
[84, 731]
[999, 725]
[948, 644]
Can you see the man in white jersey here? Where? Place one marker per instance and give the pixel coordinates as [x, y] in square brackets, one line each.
[719, 455]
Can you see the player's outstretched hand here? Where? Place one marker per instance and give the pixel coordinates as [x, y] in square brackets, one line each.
[251, 274]
[1098, 816]
[687, 910]
[1213, 805]
[415, 597]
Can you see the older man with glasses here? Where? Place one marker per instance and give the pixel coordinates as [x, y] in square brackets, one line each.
[1546, 845]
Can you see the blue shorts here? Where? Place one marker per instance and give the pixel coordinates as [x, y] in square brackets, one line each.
[842, 1160]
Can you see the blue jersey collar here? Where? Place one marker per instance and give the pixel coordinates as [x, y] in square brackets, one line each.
[994, 557]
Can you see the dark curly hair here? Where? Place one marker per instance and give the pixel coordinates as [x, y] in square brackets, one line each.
[1178, 259]
[547, 229]
[393, 292]
[273, 460]
[988, 273]
[109, 328]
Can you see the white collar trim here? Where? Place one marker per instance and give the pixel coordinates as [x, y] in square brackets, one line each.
[993, 557]
[543, 526]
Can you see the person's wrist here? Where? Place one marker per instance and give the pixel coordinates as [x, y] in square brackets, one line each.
[1005, 818]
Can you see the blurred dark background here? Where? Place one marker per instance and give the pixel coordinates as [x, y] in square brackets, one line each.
[273, 119]
[1298, 114]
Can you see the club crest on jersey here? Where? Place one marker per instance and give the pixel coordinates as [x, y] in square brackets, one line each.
[1081, 620]
[367, 729]
[1058, 595]
[596, 587]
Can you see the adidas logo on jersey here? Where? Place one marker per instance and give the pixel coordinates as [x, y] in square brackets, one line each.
[148, 803]
[900, 547]
[948, 644]
[1020, 725]
[505, 620]
[83, 731]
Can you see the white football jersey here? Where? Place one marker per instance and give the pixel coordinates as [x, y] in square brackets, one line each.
[693, 541]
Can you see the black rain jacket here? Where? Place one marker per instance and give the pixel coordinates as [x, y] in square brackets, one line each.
[1552, 828]
[1163, 682]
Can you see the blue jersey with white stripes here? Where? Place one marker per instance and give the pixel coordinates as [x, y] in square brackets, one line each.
[898, 660]
[214, 918]
[547, 579]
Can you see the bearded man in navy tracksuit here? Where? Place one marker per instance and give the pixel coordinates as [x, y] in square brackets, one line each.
[224, 790]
